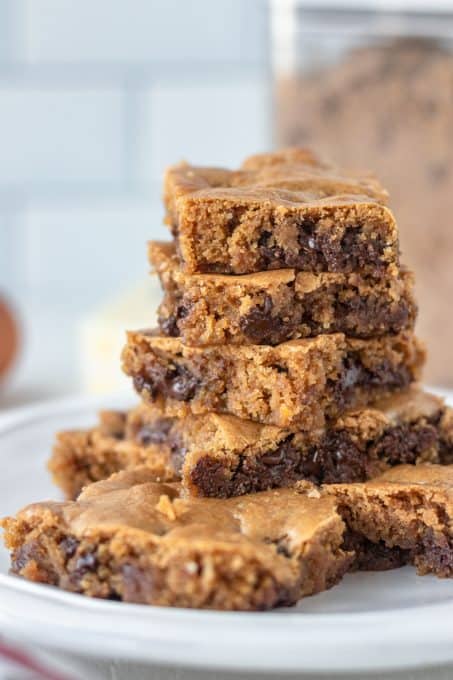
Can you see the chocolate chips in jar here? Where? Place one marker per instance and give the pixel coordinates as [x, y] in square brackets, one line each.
[386, 102]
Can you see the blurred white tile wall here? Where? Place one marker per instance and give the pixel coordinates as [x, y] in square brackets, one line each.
[96, 97]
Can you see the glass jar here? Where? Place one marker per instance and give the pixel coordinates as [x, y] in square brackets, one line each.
[370, 85]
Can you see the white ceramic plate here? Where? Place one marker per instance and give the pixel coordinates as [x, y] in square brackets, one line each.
[369, 622]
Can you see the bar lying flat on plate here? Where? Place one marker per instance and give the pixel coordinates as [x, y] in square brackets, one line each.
[296, 384]
[409, 508]
[223, 456]
[275, 306]
[280, 210]
[131, 538]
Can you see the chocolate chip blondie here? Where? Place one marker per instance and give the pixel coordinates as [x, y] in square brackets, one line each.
[295, 384]
[133, 539]
[407, 508]
[275, 306]
[285, 209]
[81, 457]
[223, 456]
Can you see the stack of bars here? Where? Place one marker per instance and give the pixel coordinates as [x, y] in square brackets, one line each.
[281, 439]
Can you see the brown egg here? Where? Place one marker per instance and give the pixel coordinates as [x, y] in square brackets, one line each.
[9, 337]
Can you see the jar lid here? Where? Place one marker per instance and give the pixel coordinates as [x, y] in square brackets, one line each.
[428, 6]
[352, 23]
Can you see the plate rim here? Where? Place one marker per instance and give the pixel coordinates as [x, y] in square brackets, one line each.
[410, 621]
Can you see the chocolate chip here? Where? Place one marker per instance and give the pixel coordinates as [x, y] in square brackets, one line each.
[33, 552]
[365, 317]
[435, 552]
[170, 325]
[86, 563]
[445, 451]
[235, 220]
[319, 251]
[374, 556]
[157, 433]
[282, 546]
[27, 552]
[274, 468]
[352, 373]
[140, 586]
[258, 324]
[178, 450]
[183, 384]
[355, 374]
[140, 384]
[336, 459]
[404, 443]
[272, 255]
[68, 546]
[177, 383]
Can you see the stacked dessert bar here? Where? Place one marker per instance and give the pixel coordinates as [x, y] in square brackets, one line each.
[281, 379]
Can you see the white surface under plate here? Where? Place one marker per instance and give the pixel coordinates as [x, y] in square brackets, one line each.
[369, 622]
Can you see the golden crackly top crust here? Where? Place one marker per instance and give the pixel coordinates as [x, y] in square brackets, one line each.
[333, 342]
[133, 500]
[162, 256]
[293, 176]
[427, 477]
[409, 404]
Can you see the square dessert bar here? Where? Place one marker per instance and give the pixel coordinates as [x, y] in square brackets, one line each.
[223, 456]
[285, 209]
[81, 457]
[275, 306]
[409, 508]
[133, 539]
[295, 384]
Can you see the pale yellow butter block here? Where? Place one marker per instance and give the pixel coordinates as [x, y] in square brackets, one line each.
[101, 336]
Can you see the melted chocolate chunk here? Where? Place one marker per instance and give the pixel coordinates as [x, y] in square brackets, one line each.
[359, 316]
[86, 563]
[371, 556]
[363, 316]
[139, 585]
[259, 326]
[170, 325]
[33, 552]
[235, 220]
[435, 552]
[157, 433]
[355, 374]
[272, 256]
[282, 546]
[271, 469]
[68, 546]
[183, 385]
[445, 452]
[176, 383]
[336, 459]
[320, 252]
[27, 552]
[404, 443]
[177, 450]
